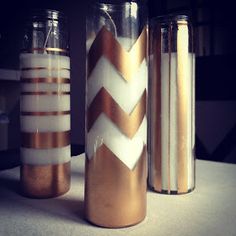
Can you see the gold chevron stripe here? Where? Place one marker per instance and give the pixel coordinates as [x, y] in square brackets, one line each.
[118, 187]
[127, 123]
[126, 62]
[104, 152]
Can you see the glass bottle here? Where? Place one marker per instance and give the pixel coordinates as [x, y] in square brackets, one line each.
[172, 105]
[45, 106]
[116, 122]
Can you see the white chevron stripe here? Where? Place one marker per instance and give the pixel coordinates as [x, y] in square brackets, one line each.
[106, 132]
[125, 93]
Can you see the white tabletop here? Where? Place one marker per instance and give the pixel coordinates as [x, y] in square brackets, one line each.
[209, 210]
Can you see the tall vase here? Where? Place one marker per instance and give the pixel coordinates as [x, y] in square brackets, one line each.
[116, 122]
[45, 106]
[172, 105]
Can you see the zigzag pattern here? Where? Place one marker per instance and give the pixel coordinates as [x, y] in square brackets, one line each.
[125, 62]
[117, 86]
[105, 132]
[121, 131]
[104, 103]
[103, 150]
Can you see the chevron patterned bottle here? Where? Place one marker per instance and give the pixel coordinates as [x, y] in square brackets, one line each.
[116, 122]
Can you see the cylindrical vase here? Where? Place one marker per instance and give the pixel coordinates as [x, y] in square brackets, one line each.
[172, 105]
[45, 106]
[116, 121]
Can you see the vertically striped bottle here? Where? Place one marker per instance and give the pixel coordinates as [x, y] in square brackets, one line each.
[171, 105]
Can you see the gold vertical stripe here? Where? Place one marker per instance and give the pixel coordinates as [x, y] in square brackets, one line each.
[155, 113]
[182, 109]
[169, 94]
[193, 166]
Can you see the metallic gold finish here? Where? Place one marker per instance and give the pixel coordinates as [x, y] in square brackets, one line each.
[115, 196]
[44, 113]
[45, 93]
[155, 115]
[127, 63]
[46, 80]
[44, 68]
[184, 96]
[127, 123]
[45, 139]
[169, 97]
[45, 181]
[182, 106]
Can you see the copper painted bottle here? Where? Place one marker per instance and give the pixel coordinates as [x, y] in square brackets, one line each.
[45, 106]
[172, 105]
[116, 121]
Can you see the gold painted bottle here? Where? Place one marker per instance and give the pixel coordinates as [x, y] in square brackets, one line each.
[45, 106]
[172, 105]
[116, 115]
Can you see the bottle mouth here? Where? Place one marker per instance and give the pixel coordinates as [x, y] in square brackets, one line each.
[117, 5]
[169, 18]
[47, 14]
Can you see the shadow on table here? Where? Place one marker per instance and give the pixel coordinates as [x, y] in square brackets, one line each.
[8, 185]
[60, 208]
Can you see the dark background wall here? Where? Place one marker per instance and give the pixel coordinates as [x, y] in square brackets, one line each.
[215, 49]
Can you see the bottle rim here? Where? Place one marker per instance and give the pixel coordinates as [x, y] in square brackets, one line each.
[170, 18]
[107, 6]
[49, 14]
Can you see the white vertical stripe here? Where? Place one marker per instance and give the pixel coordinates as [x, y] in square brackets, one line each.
[173, 125]
[164, 119]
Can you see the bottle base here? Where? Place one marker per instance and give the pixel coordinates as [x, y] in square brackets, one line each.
[171, 192]
[45, 181]
[103, 224]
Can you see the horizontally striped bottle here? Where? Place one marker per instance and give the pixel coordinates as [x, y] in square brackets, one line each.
[45, 106]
